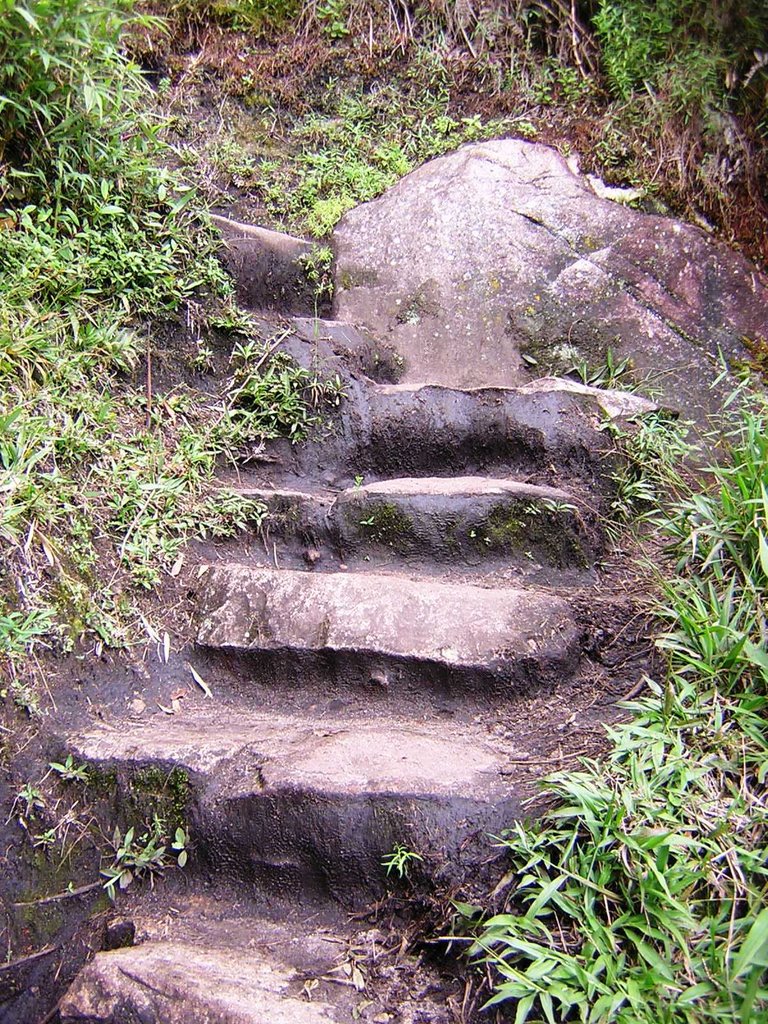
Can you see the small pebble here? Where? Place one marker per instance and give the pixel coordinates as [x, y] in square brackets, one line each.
[380, 679]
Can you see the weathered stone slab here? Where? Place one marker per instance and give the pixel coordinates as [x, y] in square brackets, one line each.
[474, 517]
[411, 428]
[359, 348]
[267, 267]
[213, 930]
[465, 630]
[614, 404]
[308, 806]
[166, 983]
[500, 253]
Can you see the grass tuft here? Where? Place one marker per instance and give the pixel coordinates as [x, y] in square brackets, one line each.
[641, 897]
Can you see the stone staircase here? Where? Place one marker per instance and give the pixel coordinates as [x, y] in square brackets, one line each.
[395, 659]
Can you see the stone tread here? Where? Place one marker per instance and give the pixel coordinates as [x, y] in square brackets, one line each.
[457, 626]
[615, 404]
[286, 494]
[468, 520]
[301, 805]
[458, 486]
[269, 751]
[170, 983]
[218, 963]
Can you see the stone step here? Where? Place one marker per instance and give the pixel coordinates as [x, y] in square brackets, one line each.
[551, 424]
[304, 806]
[419, 635]
[223, 964]
[172, 983]
[468, 517]
[268, 267]
[291, 512]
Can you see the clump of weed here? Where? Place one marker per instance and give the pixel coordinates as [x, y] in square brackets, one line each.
[103, 479]
[649, 456]
[641, 896]
[276, 398]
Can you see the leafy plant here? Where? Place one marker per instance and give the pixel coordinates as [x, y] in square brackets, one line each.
[70, 771]
[19, 631]
[318, 269]
[227, 513]
[332, 14]
[401, 860]
[649, 454]
[613, 373]
[179, 845]
[32, 799]
[144, 856]
[641, 896]
[276, 399]
[634, 38]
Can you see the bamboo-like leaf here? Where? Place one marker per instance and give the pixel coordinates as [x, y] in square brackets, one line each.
[754, 949]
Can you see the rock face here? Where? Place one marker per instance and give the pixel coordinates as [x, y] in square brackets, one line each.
[178, 985]
[498, 261]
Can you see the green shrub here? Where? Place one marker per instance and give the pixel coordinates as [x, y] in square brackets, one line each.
[66, 99]
[258, 16]
[683, 48]
[634, 37]
[640, 898]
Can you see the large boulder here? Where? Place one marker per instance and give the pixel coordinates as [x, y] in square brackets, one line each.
[500, 261]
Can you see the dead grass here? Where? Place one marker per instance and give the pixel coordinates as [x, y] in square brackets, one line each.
[488, 64]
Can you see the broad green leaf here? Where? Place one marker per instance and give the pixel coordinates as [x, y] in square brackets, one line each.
[524, 1007]
[754, 949]
[544, 896]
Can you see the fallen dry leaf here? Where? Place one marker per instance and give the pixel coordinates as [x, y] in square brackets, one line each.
[200, 682]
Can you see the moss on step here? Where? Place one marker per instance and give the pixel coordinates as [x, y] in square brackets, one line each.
[102, 782]
[385, 523]
[505, 527]
[139, 796]
[156, 791]
[527, 526]
[758, 350]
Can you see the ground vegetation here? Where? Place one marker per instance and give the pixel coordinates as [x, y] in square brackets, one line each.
[640, 897]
